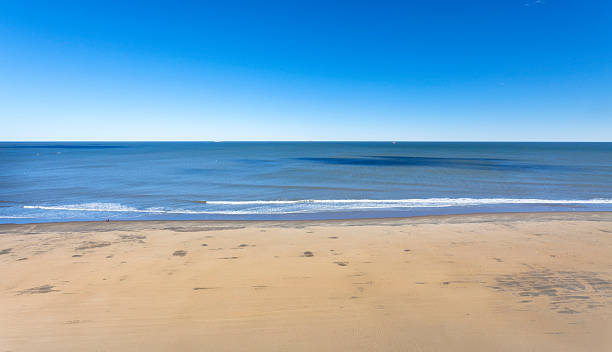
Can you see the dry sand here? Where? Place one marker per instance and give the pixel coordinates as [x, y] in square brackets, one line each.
[502, 282]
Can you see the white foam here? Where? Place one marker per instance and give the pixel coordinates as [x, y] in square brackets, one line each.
[312, 205]
[102, 207]
[118, 208]
[417, 201]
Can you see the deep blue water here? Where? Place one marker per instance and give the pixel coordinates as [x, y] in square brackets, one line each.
[242, 180]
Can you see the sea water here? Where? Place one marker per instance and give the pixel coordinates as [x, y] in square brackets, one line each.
[41, 182]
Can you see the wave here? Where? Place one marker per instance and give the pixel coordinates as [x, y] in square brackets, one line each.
[441, 201]
[101, 207]
[118, 208]
[263, 207]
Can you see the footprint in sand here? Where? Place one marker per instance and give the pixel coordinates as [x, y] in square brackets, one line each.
[179, 253]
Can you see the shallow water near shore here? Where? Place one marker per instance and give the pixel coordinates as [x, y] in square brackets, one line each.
[41, 182]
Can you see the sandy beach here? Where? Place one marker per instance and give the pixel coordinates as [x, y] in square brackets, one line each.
[492, 282]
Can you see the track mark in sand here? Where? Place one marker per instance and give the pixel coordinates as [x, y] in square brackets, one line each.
[204, 245]
[205, 288]
[179, 253]
[77, 255]
[308, 254]
[70, 322]
[462, 243]
[228, 258]
[568, 292]
[92, 244]
[406, 250]
[341, 263]
[499, 260]
[333, 237]
[370, 283]
[259, 287]
[133, 238]
[21, 259]
[201, 229]
[39, 289]
[5, 251]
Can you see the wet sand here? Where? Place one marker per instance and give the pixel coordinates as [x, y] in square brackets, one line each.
[502, 282]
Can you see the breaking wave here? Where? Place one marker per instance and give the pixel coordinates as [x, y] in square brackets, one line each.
[312, 205]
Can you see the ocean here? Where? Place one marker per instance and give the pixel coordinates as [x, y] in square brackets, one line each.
[74, 181]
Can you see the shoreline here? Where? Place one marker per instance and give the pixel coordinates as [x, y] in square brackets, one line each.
[478, 282]
[304, 221]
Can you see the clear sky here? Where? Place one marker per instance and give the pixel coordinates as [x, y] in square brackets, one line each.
[408, 70]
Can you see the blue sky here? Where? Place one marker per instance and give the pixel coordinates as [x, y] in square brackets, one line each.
[410, 70]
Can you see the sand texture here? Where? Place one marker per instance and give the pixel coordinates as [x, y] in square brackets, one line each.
[499, 282]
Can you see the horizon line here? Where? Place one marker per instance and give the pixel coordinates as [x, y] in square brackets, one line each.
[300, 141]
